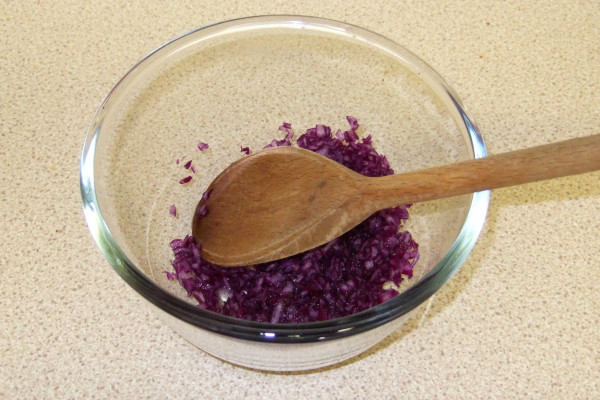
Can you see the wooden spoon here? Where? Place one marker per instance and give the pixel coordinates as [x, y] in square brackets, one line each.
[284, 200]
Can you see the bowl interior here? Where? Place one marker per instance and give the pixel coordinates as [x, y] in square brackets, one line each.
[233, 88]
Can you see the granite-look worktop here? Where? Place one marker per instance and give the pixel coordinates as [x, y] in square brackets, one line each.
[520, 319]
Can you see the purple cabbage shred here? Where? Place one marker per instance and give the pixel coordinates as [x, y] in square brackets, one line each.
[342, 277]
[286, 141]
[185, 180]
[202, 146]
[206, 194]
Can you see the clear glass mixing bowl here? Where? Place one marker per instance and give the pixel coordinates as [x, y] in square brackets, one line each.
[232, 84]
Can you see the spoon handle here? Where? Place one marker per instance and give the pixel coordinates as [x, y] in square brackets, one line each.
[569, 157]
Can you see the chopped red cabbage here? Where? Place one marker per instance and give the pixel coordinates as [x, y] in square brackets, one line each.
[206, 194]
[202, 211]
[202, 146]
[185, 180]
[173, 210]
[188, 164]
[286, 127]
[245, 150]
[353, 122]
[171, 275]
[339, 278]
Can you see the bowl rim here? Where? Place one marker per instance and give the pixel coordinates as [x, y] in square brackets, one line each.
[277, 332]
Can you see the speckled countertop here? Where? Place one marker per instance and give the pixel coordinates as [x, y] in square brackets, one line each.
[520, 320]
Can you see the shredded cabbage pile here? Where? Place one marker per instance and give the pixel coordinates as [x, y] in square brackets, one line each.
[342, 277]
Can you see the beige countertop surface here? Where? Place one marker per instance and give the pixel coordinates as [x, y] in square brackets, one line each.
[521, 319]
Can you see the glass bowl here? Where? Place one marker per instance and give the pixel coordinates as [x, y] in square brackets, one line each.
[233, 84]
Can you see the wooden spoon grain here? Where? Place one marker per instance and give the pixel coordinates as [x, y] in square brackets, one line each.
[285, 200]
